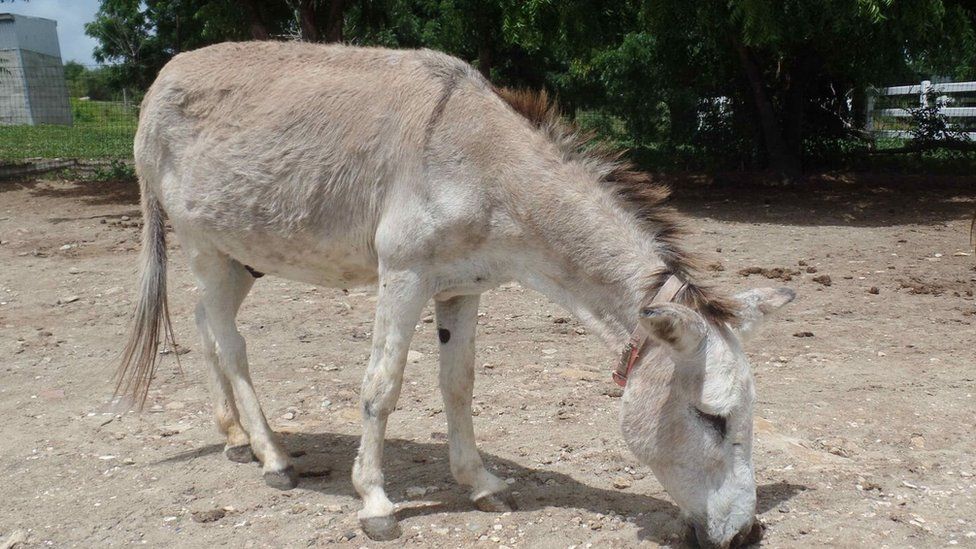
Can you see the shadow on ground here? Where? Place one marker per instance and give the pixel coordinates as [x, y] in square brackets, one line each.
[92, 193]
[325, 462]
[851, 200]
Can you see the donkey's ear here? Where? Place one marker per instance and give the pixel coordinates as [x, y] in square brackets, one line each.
[675, 326]
[758, 305]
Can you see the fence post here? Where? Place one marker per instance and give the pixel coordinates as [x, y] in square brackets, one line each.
[869, 109]
[923, 96]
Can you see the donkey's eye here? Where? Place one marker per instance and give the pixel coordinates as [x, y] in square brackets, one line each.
[715, 422]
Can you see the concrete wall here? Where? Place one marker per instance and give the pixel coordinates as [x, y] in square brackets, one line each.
[32, 85]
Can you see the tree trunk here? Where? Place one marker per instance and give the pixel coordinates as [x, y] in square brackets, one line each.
[306, 20]
[485, 57]
[859, 108]
[779, 156]
[333, 27]
[259, 31]
[794, 110]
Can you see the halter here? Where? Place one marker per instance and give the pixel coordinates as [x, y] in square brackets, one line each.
[639, 339]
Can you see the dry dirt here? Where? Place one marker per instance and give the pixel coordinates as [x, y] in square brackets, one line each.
[865, 414]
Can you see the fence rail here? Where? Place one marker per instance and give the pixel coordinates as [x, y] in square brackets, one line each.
[921, 95]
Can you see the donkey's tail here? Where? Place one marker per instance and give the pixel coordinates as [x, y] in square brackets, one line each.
[150, 323]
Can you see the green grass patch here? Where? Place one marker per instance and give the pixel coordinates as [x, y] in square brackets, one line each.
[100, 129]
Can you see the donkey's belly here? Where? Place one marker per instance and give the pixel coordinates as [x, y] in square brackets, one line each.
[330, 263]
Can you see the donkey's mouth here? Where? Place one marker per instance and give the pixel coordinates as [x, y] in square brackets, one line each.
[697, 537]
[750, 536]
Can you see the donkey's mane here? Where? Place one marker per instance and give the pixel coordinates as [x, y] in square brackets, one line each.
[636, 191]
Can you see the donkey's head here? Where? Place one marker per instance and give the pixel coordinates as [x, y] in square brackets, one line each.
[687, 413]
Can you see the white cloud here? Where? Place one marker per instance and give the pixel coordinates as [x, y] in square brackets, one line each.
[71, 16]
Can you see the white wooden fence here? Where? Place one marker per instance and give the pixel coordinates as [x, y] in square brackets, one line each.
[924, 91]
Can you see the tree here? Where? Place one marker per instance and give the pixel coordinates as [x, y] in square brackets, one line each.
[749, 81]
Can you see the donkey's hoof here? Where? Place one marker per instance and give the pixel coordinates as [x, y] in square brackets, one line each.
[240, 454]
[285, 479]
[380, 528]
[502, 502]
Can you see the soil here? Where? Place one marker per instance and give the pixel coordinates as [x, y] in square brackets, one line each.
[865, 414]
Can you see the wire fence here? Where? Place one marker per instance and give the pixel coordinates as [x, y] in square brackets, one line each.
[53, 112]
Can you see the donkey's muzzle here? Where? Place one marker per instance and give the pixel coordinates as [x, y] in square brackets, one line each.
[751, 534]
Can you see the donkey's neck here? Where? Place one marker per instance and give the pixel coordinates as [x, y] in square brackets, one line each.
[592, 257]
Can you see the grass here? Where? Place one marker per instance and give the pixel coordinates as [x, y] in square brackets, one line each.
[100, 130]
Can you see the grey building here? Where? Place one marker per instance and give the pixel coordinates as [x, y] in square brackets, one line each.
[32, 86]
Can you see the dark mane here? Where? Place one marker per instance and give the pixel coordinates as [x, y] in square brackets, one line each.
[636, 191]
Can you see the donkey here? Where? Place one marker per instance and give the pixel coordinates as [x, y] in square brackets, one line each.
[343, 166]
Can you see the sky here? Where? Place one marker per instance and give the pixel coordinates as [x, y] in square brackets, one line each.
[71, 16]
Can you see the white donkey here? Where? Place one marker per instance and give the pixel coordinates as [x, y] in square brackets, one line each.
[344, 166]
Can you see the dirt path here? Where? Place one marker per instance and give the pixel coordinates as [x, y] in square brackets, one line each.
[864, 420]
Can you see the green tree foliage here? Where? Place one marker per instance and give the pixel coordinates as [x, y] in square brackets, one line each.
[751, 83]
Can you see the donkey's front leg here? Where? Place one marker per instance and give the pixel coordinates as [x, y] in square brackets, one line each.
[457, 321]
[401, 299]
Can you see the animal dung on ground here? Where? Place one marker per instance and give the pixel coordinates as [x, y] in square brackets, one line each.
[780, 273]
[211, 515]
[823, 280]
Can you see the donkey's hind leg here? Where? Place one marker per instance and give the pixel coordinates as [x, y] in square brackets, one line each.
[457, 321]
[238, 446]
[225, 284]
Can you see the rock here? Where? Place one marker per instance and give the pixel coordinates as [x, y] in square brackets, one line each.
[415, 492]
[16, 538]
[811, 270]
[823, 279]
[124, 218]
[613, 391]
[874, 290]
[68, 299]
[918, 441]
[803, 334]
[212, 515]
[288, 415]
[74, 270]
[414, 357]
[621, 483]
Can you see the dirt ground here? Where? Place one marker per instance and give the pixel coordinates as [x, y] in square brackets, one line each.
[865, 415]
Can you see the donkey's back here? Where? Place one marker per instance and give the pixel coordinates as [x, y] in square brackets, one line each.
[271, 152]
